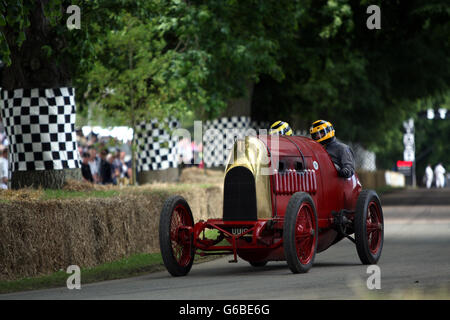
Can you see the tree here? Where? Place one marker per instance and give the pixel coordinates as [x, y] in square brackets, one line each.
[366, 82]
[305, 59]
[243, 40]
[41, 52]
[137, 77]
[29, 45]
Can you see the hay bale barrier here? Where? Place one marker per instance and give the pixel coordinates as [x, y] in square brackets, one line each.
[40, 236]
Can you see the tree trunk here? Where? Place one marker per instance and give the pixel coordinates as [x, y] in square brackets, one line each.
[156, 154]
[133, 122]
[133, 155]
[53, 179]
[33, 68]
[166, 175]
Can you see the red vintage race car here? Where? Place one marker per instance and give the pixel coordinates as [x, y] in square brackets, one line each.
[283, 200]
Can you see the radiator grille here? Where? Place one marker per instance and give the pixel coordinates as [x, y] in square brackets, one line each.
[291, 181]
[239, 197]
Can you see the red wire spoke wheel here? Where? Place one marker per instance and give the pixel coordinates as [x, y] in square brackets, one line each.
[175, 236]
[369, 227]
[300, 232]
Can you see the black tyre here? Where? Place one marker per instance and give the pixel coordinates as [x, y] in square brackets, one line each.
[300, 232]
[369, 227]
[175, 242]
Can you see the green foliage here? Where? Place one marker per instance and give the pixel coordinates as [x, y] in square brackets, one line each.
[432, 136]
[310, 59]
[366, 82]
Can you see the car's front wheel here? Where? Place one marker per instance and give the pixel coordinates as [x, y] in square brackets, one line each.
[300, 232]
[175, 238]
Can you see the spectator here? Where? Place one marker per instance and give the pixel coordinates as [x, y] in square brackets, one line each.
[86, 168]
[105, 172]
[130, 172]
[94, 164]
[428, 176]
[114, 170]
[439, 173]
[117, 164]
[93, 139]
[124, 167]
[4, 169]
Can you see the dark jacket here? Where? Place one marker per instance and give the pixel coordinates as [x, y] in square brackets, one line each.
[342, 156]
[86, 172]
[105, 172]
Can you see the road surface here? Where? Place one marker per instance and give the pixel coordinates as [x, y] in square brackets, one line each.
[415, 263]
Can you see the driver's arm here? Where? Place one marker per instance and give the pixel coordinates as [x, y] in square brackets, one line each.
[347, 162]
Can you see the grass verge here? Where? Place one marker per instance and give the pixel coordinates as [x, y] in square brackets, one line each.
[388, 189]
[134, 265]
[63, 194]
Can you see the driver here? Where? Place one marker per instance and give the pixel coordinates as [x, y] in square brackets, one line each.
[342, 155]
[280, 128]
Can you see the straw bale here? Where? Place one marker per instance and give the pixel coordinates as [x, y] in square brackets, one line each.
[39, 237]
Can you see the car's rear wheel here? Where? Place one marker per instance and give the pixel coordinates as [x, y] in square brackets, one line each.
[175, 236]
[369, 227]
[300, 232]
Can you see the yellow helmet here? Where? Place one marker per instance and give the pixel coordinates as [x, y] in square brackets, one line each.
[280, 128]
[321, 131]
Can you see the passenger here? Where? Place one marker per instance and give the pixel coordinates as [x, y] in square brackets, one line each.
[341, 154]
[280, 128]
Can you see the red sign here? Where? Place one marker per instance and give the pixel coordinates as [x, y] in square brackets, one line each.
[401, 163]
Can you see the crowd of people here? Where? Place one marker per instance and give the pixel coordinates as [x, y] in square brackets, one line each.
[190, 153]
[104, 160]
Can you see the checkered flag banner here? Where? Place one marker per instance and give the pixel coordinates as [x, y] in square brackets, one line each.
[40, 125]
[157, 148]
[260, 125]
[219, 136]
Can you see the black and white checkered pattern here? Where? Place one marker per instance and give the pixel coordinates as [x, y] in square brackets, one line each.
[219, 135]
[157, 148]
[265, 125]
[261, 127]
[40, 125]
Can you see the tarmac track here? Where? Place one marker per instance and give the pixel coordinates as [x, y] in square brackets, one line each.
[415, 261]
